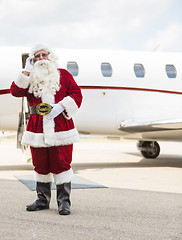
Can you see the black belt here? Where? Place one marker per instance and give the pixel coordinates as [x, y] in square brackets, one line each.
[33, 110]
[41, 109]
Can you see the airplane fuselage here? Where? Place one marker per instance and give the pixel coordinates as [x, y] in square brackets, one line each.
[121, 90]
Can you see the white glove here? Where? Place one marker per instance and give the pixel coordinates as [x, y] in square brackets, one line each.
[57, 109]
[28, 64]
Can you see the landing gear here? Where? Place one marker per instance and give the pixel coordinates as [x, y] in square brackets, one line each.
[149, 149]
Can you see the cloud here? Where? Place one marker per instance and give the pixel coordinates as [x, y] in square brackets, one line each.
[78, 23]
[168, 39]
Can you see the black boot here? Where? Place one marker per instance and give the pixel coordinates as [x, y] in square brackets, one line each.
[43, 197]
[63, 198]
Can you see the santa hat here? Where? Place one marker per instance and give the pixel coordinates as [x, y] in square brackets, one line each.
[37, 48]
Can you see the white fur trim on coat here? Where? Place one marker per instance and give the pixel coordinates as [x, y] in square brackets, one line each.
[70, 106]
[50, 139]
[47, 178]
[33, 139]
[48, 124]
[64, 177]
[22, 81]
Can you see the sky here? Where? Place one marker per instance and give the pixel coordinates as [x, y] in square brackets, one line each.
[142, 25]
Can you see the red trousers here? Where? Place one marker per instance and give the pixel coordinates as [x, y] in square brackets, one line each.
[52, 159]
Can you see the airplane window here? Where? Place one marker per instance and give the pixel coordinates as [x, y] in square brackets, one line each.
[72, 67]
[171, 71]
[139, 70]
[106, 69]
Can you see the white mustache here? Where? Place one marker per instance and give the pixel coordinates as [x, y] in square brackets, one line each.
[43, 63]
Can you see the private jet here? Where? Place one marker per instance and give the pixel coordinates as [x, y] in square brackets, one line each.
[126, 94]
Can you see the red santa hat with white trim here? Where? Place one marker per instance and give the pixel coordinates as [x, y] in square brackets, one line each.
[37, 48]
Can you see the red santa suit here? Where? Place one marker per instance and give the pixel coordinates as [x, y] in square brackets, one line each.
[51, 139]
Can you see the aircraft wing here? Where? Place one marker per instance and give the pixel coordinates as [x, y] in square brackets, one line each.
[149, 126]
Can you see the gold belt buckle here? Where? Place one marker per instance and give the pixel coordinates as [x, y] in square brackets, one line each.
[43, 109]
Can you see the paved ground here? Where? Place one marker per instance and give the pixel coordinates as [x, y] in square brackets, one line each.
[143, 200]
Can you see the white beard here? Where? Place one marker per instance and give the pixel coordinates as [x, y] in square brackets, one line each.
[44, 77]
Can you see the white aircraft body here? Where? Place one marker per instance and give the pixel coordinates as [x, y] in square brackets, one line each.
[134, 95]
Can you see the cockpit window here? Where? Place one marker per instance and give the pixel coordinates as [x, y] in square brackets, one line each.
[106, 69]
[171, 71]
[139, 70]
[72, 67]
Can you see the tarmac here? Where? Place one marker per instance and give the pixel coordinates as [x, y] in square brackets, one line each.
[141, 199]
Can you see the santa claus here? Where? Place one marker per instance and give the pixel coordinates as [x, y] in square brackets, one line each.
[53, 98]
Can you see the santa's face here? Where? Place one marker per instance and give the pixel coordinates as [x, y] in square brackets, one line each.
[41, 55]
[44, 76]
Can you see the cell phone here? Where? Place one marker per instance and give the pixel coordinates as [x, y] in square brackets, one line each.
[32, 61]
